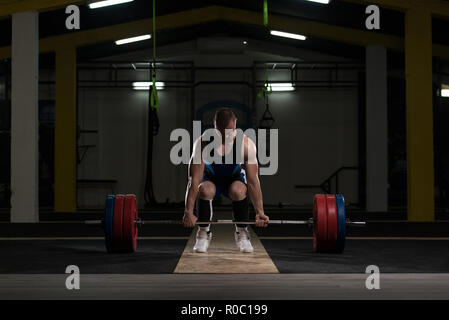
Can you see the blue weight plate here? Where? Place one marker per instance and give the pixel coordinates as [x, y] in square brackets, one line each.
[108, 223]
[341, 213]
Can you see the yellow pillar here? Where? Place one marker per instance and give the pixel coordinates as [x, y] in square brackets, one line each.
[65, 130]
[418, 67]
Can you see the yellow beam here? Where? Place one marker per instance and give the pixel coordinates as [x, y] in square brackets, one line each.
[8, 7]
[215, 13]
[314, 29]
[123, 30]
[130, 29]
[5, 52]
[420, 165]
[439, 8]
[440, 51]
[65, 131]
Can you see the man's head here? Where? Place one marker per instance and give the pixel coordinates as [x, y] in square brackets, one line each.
[224, 120]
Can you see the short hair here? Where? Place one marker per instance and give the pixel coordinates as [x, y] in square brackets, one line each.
[223, 116]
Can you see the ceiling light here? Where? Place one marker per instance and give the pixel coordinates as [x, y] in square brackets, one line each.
[288, 35]
[134, 39]
[321, 1]
[287, 86]
[105, 3]
[146, 85]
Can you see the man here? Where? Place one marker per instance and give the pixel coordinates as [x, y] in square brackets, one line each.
[208, 179]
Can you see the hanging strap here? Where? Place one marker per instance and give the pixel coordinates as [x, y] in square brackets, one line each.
[154, 31]
[265, 13]
[266, 89]
[154, 100]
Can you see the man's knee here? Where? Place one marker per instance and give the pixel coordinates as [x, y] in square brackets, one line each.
[207, 190]
[237, 191]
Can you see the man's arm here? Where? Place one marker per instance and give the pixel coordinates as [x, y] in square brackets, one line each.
[252, 179]
[195, 174]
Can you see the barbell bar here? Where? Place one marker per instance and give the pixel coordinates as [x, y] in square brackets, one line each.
[297, 222]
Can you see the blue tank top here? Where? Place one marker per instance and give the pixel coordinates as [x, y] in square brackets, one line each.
[223, 169]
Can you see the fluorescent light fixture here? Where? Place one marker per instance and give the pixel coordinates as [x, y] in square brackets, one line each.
[146, 85]
[282, 86]
[105, 3]
[321, 1]
[444, 91]
[134, 39]
[288, 35]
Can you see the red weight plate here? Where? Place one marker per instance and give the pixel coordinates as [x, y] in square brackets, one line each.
[129, 223]
[332, 223]
[118, 222]
[319, 222]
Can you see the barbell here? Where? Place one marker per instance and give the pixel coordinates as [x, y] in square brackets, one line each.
[329, 223]
[309, 222]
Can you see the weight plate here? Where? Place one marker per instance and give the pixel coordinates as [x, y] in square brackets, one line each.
[118, 222]
[319, 222]
[341, 212]
[129, 223]
[332, 223]
[108, 223]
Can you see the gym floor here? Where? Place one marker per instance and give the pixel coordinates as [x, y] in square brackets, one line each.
[413, 259]
[344, 105]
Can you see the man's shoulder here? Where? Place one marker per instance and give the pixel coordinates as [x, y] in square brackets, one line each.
[248, 141]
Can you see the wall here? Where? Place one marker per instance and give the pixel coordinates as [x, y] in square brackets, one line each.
[318, 131]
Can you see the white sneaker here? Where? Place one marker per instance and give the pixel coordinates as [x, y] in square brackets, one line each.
[203, 238]
[242, 240]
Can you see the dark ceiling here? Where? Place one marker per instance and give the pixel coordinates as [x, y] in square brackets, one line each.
[338, 12]
[227, 29]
